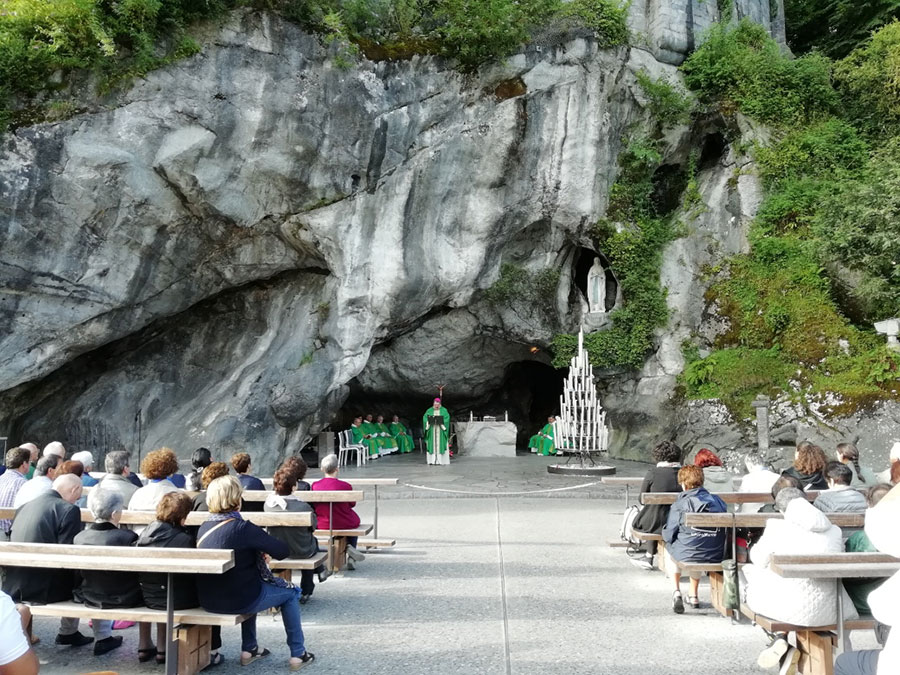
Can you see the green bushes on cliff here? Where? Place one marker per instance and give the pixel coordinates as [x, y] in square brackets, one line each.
[130, 37]
[823, 244]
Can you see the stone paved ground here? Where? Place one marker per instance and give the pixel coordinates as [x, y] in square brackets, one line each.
[485, 586]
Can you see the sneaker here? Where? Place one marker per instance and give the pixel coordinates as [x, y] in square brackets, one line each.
[352, 552]
[677, 603]
[770, 657]
[351, 565]
[297, 663]
[789, 662]
[645, 562]
[75, 639]
[694, 602]
[102, 647]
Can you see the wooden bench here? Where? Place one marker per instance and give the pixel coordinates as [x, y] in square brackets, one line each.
[836, 566]
[286, 567]
[727, 497]
[758, 520]
[189, 643]
[357, 483]
[629, 482]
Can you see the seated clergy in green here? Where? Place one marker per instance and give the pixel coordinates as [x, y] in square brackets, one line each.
[360, 436]
[371, 431]
[384, 434]
[401, 435]
[542, 441]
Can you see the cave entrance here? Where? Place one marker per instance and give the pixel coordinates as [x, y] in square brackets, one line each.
[529, 393]
[584, 260]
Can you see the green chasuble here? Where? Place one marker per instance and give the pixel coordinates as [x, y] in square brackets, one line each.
[360, 437]
[436, 439]
[401, 435]
[542, 441]
[369, 429]
[387, 436]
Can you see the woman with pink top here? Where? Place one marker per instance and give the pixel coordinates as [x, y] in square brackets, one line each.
[344, 517]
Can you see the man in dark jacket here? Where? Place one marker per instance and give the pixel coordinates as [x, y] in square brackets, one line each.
[50, 518]
[692, 544]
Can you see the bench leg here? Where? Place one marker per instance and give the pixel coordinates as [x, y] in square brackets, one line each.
[193, 648]
[661, 556]
[338, 553]
[816, 653]
[717, 593]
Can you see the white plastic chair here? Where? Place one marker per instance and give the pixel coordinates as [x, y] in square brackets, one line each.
[347, 446]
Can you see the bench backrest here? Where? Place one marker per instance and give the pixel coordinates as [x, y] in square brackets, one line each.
[196, 518]
[355, 482]
[850, 520]
[727, 497]
[116, 558]
[308, 496]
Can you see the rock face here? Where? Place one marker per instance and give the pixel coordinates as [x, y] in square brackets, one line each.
[213, 258]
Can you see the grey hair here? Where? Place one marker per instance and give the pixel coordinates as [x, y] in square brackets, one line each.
[116, 462]
[329, 464]
[44, 464]
[104, 503]
[785, 496]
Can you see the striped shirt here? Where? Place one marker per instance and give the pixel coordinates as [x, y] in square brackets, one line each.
[10, 482]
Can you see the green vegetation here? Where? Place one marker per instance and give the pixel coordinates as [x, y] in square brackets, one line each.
[126, 38]
[634, 249]
[517, 285]
[824, 243]
[742, 68]
[667, 103]
[835, 27]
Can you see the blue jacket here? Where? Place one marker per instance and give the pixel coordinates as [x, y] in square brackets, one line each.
[691, 544]
[240, 587]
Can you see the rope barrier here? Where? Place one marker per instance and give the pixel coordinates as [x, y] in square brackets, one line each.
[501, 494]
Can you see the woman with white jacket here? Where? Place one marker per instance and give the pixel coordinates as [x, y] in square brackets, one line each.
[802, 602]
[881, 528]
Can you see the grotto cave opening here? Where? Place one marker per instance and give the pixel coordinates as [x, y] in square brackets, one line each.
[529, 392]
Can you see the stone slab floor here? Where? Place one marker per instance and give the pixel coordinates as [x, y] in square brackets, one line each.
[483, 585]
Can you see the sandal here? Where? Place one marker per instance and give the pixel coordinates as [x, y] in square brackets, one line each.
[147, 654]
[298, 662]
[254, 655]
[215, 660]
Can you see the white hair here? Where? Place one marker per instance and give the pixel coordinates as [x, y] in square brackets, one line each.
[86, 458]
[753, 462]
[55, 448]
[895, 451]
[104, 503]
[329, 464]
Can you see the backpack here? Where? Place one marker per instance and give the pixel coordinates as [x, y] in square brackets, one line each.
[627, 526]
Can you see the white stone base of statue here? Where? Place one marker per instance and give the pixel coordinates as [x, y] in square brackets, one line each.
[486, 439]
[591, 322]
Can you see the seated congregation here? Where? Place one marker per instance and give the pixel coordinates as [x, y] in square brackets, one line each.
[805, 498]
[47, 512]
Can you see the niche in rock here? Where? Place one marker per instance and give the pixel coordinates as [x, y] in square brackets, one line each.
[714, 147]
[669, 182]
[584, 261]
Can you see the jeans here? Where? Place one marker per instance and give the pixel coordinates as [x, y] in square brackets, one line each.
[864, 662]
[287, 600]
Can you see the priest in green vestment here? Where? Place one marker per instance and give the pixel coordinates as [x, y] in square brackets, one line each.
[385, 435]
[401, 435]
[437, 435]
[369, 429]
[542, 442]
[360, 436]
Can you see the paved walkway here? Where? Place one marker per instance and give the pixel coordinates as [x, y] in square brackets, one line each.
[492, 586]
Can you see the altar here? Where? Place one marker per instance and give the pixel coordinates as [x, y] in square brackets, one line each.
[486, 438]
